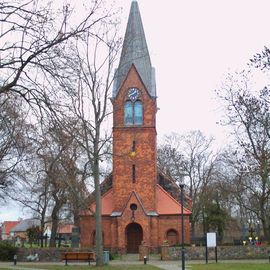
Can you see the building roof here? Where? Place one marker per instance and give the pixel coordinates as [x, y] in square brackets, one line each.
[167, 205]
[165, 181]
[171, 187]
[107, 205]
[25, 224]
[135, 51]
[8, 226]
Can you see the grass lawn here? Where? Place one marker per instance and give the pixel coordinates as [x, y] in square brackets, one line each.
[82, 267]
[210, 266]
[231, 266]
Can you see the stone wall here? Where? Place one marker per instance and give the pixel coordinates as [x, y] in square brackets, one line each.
[223, 253]
[167, 253]
[44, 254]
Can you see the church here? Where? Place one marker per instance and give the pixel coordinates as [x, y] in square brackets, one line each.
[140, 203]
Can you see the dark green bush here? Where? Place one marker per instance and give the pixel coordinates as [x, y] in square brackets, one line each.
[113, 256]
[7, 251]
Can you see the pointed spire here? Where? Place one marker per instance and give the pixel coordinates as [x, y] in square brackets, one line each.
[135, 52]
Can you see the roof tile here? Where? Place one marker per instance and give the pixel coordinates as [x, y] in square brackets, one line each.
[167, 205]
[107, 203]
[8, 225]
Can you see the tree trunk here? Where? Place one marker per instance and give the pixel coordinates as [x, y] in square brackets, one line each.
[266, 230]
[98, 217]
[76, 215]
[42, 225]
[263, 202]
[54, 217]
[268, 235]
[192, 228]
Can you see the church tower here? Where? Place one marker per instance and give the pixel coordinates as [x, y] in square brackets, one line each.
[134, 121]
[139, 201]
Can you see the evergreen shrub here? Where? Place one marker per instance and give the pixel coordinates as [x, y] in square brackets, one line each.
[7, 251]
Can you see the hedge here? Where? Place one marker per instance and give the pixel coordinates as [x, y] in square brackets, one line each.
[7, 251]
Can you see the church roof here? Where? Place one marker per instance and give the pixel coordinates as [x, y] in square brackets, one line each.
[168, 198]
[167, 205]
[107, 205]
[135, 52]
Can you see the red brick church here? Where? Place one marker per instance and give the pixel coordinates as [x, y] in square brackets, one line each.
[139, 202]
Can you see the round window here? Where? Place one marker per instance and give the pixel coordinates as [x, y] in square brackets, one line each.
[133, 206]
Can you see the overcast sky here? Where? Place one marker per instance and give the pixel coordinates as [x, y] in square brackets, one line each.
[193, 44]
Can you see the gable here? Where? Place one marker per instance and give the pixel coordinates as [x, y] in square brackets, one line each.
[139, 213]
[132, 79]
[134, 199]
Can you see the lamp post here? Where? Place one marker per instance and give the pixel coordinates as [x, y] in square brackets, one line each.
[182, 225]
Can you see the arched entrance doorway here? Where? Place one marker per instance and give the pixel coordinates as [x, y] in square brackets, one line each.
[134, 234]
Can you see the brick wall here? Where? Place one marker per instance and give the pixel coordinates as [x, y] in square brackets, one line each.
[145, 140]
[173, 222]
[114, 229]
[126, 190]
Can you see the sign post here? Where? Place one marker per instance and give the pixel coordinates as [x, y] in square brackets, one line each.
[211, 241]
[182, 226]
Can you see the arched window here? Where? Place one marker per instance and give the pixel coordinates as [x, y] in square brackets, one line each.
[172, 237]
[133, 113]
[138, 113]
[128, 113]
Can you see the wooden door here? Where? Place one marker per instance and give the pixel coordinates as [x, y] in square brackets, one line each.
[134, 235]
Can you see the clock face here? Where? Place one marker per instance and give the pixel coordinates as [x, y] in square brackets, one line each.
[133, 93]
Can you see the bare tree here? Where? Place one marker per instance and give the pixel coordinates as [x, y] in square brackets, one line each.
[233, 182]
[38, 65]
[89, 94]
[262, 60]
[49, 177]
[189, 158]
[12, 141]
[60, 157]
[32, 36]
[31, 191]
[247, 112]
[30, 187]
